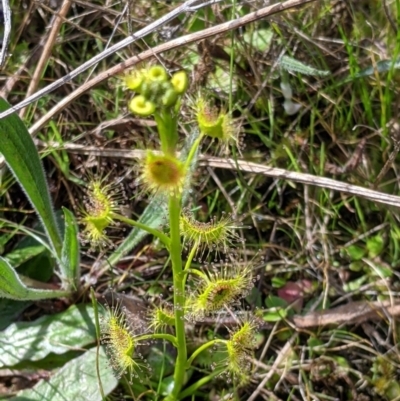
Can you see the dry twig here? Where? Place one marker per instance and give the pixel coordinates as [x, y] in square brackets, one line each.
[351, 313]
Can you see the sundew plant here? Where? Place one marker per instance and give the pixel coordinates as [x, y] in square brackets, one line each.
[199, 290]
[209, 277]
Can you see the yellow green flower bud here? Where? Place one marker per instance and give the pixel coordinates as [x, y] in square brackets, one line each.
[157, 73]
[180, 82]
[141, 106]
[134, 80]
[169, 98]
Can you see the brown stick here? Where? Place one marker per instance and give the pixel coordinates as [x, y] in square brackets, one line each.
[44, 58]
[353, 312]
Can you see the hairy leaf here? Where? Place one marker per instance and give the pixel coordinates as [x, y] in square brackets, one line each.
[22, 157]
[12, 287]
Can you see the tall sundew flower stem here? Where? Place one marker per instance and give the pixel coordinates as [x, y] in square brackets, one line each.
[175, 207]
[167, 129]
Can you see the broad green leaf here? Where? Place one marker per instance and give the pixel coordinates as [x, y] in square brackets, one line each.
[70, 251]
[32, 341]
[275, 315]
[12, 287]
[10, 310]
[380, 66]
[21, 255]
[381, 270]
[21, 155]
[273, 301]
[276, 309]
[39, 268]
[291, 64]
[32, 255]
[76, 381]
[355, 285]
[222, 80]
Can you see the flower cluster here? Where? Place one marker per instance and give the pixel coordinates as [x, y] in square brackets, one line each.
[154, 89]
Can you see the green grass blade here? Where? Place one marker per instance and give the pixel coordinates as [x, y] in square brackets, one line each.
[12, 287]
[291, 64]
[21, 155]
[70, 257]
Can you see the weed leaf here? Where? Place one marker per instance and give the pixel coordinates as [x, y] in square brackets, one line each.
[12, 287]
[21, 155]
[381, 66]
[70, 251]
[56, 334]
[76, 381]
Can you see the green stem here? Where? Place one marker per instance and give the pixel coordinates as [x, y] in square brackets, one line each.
[161, 236]
[197, 272]
[191, 256]
[201, 349]
[167, 129]
[158, 336]
[193, 151]
[179, 295]
[200, 383]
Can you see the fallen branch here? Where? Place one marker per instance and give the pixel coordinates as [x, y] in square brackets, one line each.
[249, 167]
[351, 313]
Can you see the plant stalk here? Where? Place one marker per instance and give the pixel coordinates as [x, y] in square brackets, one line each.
[179, 294]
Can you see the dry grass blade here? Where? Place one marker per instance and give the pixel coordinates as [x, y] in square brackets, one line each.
[282, 355]
[44, 58]
[249, 167]
[309, 179]
[7, 31]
